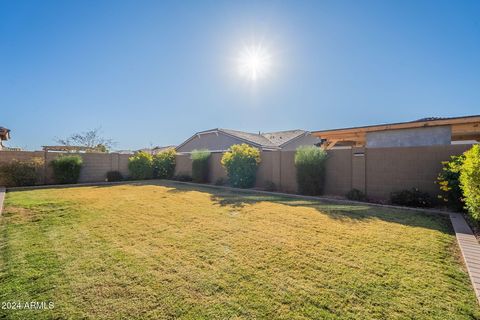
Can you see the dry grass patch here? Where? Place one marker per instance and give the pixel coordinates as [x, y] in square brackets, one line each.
[159, 251]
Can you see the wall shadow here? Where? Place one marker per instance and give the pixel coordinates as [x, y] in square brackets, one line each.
[344, 212]
[238, 199]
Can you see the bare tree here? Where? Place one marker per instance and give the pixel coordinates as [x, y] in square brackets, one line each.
[89, 139]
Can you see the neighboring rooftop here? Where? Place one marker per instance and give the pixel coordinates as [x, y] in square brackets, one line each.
[281, 137]
[4, 133]
[266, 140]
[462, 129]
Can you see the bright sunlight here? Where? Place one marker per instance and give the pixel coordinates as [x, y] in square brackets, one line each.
[254, 62]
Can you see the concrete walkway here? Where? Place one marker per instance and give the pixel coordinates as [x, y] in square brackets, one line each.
[470, 249]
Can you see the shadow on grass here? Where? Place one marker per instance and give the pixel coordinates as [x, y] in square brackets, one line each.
[239, 199]
[343, 212]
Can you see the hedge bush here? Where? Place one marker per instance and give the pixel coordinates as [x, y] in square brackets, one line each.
[164, 164]
[140, 166]
[449, 182]
[200, 165]
[356, 195]
[113, 176]
[310, 164]
[241, 162]
[185, 177]
[411, 198]
[221, 182]
[22, 173]
[470, 181]
[66, 169]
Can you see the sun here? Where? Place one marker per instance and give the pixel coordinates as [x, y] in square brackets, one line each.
[254, 62]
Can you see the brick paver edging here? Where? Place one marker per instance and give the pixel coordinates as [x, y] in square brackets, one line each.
[470, 249]
[2, 197]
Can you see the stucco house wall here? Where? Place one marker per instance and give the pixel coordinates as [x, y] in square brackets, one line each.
[305, 140]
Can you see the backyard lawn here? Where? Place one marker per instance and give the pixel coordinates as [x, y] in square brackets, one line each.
[163, 250]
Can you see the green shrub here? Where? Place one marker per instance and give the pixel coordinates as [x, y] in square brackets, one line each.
[164, 164]
[22, 173]
[221, 182]
[200, 165]
[356, 195]
[470, 181]
[411, 198]
[66, 169]
[241, 162]
[310, 164]
[113, 176]
[182, 177]
[449, 182]
[269, 186]
[140, 166]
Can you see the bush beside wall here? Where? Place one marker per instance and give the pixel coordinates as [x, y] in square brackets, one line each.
[356, 195]
[449, 182]
[310, 165]
[22, 173]
[185, 177]
[66, 169]
[241, 162]
[470, 181]
[140, 166]
[164, 164]
[200, 165]
[411, 198]
[113, 176]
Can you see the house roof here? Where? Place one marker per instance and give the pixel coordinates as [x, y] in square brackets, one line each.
[424, 122]
[281, 137]
[254, 138]
[266, 140]
[4, 133]
[463, 128]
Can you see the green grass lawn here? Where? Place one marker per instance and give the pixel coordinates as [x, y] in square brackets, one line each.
[165, 251]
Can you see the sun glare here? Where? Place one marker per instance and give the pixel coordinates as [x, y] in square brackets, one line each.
[254, 62]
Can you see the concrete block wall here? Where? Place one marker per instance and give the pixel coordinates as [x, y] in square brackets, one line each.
[339, 169]
[375, 171]
[95, 165]
[393, 169]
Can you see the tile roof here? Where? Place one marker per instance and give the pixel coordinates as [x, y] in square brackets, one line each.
[266, 139]
[281, 137]
[254, 138]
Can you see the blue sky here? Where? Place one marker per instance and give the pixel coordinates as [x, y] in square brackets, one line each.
[153, 72]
